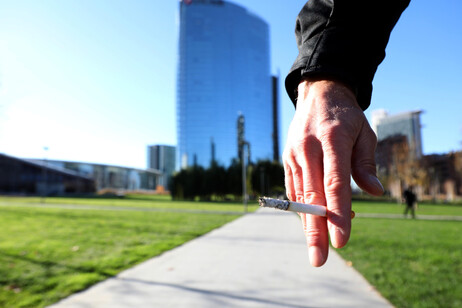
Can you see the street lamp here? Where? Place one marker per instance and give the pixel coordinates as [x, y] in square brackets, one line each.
[242, 144]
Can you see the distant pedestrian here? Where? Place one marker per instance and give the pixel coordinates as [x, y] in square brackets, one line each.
[411, 199]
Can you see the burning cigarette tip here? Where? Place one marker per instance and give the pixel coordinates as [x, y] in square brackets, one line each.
[274, 203]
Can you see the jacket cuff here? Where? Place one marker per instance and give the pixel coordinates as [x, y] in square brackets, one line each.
[343, 40]
[363, 92]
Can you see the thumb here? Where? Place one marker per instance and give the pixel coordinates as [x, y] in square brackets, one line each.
[363, 162]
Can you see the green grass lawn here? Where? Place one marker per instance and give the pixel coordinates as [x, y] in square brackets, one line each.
[140, 201]
[413, 263]
[395, 208]
[48, 253]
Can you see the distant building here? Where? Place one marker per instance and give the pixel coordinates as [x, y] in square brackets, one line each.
[403, 124]
[393, 163]
[112, 177]
[55, 177]
[39, 177]
[400, 162]
[390, 151]
[399, 150]
[162, 158]
[444, 175]
[223, 71]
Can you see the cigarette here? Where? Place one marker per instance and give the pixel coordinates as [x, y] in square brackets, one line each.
[286, 205]
[291, 206]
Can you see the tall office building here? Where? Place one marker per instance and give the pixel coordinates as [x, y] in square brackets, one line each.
[162, 158]
[223, 71]
[405, 124]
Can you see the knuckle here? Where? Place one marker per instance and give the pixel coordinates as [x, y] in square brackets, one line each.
[334, 182]
[297, 173]
[314, 197]
[292, 155]
[299, 196]
[336, 134]
[300, 146]
[363, 161]
[313, 236]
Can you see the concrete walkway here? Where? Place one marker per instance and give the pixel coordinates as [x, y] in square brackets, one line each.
[258, 260]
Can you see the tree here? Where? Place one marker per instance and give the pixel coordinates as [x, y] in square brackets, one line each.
[188, 183]
[267, 178]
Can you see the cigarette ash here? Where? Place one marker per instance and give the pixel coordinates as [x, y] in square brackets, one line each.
[274, 203]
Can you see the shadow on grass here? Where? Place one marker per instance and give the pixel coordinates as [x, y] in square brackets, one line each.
[47, 265]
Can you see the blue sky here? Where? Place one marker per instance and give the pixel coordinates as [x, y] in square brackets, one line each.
[94, 81]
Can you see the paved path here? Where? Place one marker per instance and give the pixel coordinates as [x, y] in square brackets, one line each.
[258, 260]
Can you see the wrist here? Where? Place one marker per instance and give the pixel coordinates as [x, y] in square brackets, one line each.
[330, 91]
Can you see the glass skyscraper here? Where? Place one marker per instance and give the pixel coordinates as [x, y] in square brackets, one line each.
[223, 71]
[162, 158]
[403, 124]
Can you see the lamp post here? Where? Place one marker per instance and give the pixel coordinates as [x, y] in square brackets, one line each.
[244, 179]
[242, 144]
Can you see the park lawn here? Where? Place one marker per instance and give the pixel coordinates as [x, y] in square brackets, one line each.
[49, 253]
[412, 263]
[139, 201]
[165, 202]
[395, 208]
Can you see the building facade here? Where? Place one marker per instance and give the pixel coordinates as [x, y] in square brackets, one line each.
[406, 124]
[107, 177]
[162, 158]
[399, 151]
[57, 177]
[40, 177]
[223, 71]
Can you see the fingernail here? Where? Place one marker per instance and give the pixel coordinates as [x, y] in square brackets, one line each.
[376, 182]
[316, 257]
[337, 235]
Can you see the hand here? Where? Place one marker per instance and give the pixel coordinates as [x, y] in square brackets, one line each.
[329, 140]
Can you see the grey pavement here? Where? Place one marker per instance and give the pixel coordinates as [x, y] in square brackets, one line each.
[258, 260]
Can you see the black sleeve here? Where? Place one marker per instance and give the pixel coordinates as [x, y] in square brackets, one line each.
[344, 40]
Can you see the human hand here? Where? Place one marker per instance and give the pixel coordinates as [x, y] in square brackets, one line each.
[329, 140]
